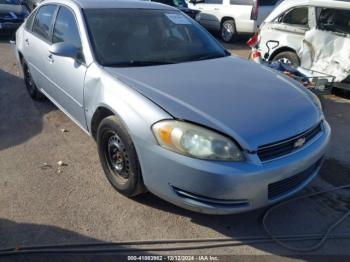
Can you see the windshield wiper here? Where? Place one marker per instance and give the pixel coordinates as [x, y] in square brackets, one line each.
[138, 63]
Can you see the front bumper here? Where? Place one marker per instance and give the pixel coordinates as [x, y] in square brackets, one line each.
[226, 188]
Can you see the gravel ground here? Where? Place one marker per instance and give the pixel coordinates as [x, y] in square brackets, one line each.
[40, 204]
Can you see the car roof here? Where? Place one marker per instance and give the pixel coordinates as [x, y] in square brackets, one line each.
[139, 4]
[288, 4]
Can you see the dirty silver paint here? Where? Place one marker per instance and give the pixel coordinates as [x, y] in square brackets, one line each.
[247, 102]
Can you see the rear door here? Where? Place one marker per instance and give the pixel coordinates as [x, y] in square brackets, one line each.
[68, 73]
[287, 30]
[37, 41]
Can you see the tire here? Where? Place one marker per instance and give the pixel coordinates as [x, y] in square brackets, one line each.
[32, 89]
[287, 57]
[228, 32]
[119, 158]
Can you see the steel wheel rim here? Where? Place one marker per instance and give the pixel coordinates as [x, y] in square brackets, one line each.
[285, 60]
[227, 31]
[117, 158]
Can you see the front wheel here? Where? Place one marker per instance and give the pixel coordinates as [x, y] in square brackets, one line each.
[228, 31]
[118, 157]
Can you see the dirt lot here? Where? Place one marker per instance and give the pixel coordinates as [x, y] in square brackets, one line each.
[40, 205]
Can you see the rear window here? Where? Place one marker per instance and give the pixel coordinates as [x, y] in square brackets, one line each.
[251, 2]
[242, 2]
[29, 22]
[268, 2]
[43, 20]
[218, 2]
[334, 20]
[298, 16]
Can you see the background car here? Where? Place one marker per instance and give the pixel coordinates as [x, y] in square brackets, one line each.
[281, 35]
[33, 3]
[232, 17]
[12, 15]
[180, 4]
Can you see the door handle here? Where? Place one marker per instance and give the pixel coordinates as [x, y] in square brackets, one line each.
[50, 58]
[27, 42]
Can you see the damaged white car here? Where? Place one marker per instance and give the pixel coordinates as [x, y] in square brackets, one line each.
[313, 34]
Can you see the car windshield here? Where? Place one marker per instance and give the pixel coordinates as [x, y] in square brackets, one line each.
[145, 37]
[9, 2]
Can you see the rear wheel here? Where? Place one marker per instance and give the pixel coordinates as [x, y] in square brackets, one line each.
[32, 89]
[118, 157]
[288, 57]
[228, 31]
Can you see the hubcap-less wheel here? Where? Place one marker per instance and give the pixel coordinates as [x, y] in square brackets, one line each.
[117, 158]
[29, 81]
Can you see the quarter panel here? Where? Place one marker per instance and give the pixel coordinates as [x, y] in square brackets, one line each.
[136, 111]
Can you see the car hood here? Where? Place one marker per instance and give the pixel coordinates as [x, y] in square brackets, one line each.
[16, 9]
[242, 99]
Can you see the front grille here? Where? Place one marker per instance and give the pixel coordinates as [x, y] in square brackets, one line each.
[282, 187]
[284, 147]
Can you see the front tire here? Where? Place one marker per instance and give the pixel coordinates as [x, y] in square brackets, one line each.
[32, 89]
[119, 158]
[228, 31]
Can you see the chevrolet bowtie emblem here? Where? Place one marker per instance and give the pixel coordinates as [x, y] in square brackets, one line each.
[300, 142]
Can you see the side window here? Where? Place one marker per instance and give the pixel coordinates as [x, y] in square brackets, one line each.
[297, 16]
[217, 2]
[335, 20]
[42, 21]
[29, 21]
[66, 29]
[268, 2]
[241, 2]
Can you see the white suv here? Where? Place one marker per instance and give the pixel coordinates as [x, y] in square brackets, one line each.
[232, 17]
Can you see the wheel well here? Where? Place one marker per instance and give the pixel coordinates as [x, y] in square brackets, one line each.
[20, 56]
[225, 18]
[100, 114]
[280, 50]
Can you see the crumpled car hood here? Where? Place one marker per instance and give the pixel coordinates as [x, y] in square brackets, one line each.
[244, 100]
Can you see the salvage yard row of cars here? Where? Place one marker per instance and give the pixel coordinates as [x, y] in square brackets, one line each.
[227, 136]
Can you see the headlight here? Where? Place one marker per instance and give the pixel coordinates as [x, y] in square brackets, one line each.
[195, 141]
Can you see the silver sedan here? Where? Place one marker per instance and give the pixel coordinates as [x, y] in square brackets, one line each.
[171, 110]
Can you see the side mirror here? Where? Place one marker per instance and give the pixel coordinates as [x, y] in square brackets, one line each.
[64, 49]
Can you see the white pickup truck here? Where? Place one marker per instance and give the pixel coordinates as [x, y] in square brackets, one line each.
[232, 17]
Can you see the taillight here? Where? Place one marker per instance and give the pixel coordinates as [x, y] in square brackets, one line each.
[256, 56]
[253, 40]
[255, 10]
